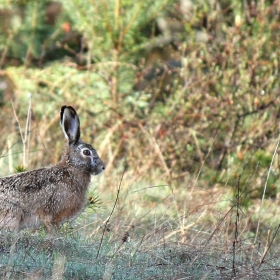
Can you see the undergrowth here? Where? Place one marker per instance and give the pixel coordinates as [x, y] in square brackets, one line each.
[205, 241]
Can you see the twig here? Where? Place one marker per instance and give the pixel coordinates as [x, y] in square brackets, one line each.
[268, 247]
[20, 130]
[27, 134]
[157, 150]
[137, 248]
[229, 141]
[211, 236]
[107, 221]
[236, 228]
[203, 162]
[264, 190]
[25, 138]
[151, 187]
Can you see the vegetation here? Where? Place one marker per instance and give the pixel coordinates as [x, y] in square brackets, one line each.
[180, 98]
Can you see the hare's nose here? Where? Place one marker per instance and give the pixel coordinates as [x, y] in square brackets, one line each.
[103, 167]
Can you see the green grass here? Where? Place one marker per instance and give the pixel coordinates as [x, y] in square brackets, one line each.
[184, 253]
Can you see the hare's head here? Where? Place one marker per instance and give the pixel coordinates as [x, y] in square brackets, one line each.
[77, 153]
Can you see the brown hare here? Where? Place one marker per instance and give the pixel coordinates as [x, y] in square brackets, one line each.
[51, 195]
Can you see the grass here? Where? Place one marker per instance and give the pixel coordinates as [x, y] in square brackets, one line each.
[204, 241]
[199, 197]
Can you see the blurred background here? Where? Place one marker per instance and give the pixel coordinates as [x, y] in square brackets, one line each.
[182, 92]
[181, 100]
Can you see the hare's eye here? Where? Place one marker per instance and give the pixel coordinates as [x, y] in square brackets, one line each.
[86, 152]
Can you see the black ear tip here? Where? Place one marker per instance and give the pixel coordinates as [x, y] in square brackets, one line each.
[67, 107]
[70, 108]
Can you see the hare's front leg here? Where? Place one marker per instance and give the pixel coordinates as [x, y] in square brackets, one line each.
[11, 217]
[51, 227]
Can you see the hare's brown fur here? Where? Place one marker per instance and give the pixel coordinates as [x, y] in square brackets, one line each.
[51, 195]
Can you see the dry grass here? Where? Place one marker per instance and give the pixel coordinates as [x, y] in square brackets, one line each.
[207, 236]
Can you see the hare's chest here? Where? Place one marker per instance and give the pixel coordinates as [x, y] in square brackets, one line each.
[70, 206]
[67, 214]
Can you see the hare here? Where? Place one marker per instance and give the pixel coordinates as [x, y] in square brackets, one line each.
[52, 195]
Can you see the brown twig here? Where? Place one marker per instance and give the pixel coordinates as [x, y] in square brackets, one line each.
[107, 221]
[265, 186]
[235, 241]
[268, 247]
[211, 236]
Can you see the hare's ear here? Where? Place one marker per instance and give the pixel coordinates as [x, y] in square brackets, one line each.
[70, 124]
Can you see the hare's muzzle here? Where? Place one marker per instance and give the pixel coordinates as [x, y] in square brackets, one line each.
[99, 167]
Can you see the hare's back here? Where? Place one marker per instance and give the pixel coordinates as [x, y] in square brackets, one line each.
[31, 181]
